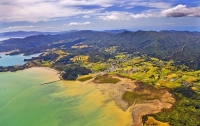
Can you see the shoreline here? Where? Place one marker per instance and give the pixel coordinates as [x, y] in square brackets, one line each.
[116, 91]
[54, 75]
[47, 68]
[137, 109]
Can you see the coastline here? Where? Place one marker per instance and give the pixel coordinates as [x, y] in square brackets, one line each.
[46, 68]
[137, 109]
[51, 75]
[114, 91]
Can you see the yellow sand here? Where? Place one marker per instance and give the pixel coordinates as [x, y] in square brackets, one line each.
[151, 121]
[110, 114]
[47, 73]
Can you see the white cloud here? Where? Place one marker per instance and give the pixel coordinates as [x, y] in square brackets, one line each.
[120, 16]
[178, 11]
[46, 10]
[102, 3]
[182, 11]
[26, 10]
[20, 27]
[115, 15]
[146, 3]
[142, 15]
[86, 16]
[78, 23]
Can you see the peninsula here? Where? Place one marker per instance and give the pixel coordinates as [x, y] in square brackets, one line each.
[143, 72]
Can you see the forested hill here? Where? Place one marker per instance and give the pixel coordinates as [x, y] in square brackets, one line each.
[181, 46]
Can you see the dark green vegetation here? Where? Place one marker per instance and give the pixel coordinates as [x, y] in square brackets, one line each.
[85, 78]
[141, 93]
[106, 79]
[73, 71]
[166, 59]
[47, 57]
[131, 97]
[182, 47]
[12, 68]
[186, 111]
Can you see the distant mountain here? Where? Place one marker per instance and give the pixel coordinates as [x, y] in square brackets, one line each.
[21, 34]
[181, 46]
[116, 31]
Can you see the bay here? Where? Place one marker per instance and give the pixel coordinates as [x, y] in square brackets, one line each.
[11, 60]
[25, 102]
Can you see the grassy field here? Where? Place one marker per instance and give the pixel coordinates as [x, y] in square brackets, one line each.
[106, 79]
[158, 73]
[148, 70]
[141, 93]
[84, 78]
[81, 58]
[96, 67]
[46, 63]
[79, 46]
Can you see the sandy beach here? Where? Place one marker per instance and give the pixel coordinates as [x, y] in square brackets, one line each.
[51, 74]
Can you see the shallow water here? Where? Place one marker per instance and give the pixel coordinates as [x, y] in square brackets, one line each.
[7, 60]
[25, 103]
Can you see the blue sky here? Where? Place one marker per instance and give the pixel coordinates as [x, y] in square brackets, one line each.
[64, 15]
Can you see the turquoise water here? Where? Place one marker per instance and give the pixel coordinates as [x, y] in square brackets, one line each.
[7, 60]
[24, 102]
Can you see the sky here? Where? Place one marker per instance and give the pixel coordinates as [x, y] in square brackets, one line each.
[65, 15]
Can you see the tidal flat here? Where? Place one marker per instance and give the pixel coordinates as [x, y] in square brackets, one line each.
[24, 101]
